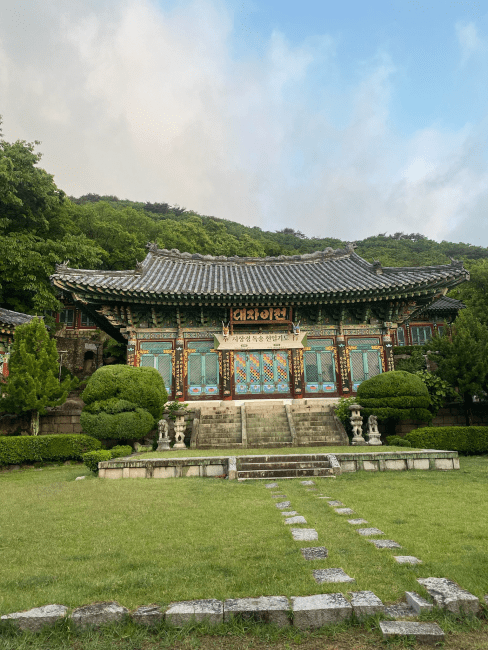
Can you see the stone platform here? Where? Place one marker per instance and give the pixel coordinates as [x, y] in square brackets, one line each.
[282, 465]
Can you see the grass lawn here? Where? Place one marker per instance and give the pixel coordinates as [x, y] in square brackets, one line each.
[190, 453]
[142, 541]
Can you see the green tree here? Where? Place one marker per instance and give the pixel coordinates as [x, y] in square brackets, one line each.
[33, 384]
[474, 293]
[36, 231]
[463, 362]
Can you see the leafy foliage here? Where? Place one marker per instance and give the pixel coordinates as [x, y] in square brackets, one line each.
[123, 402]
[33, 384]
[394, 396]
[15, 450]
[397, 441]
[463, 362]
[465, 440]
[92, 458]
[414, 364]
[439, 390]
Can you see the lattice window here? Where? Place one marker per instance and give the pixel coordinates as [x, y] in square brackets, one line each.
[195, 370]
[164, 368]
[311, 370]
[211, 369]
[157, 347]
[319, 344]
[357, 366]
[147, 360]
[401, 336]
[363, 342]
[201, 346]
[327, 366]
[420, 335]
[66, 316]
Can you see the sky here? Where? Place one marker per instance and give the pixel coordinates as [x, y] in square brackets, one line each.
[339, 119]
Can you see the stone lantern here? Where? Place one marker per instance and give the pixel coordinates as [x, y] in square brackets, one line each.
[180, 429]
[357, 425]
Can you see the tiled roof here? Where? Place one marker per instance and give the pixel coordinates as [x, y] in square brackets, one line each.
[171, 273]
[445, 304]
[13, 317]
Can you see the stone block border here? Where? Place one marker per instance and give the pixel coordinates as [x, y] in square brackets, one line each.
[212, 466]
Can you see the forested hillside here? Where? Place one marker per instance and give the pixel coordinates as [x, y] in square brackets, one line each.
[40, 225]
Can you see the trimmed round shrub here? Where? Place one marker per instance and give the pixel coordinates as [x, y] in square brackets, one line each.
[397, 441]
[92, 458]
[128, 425]
[395, 395]
[141, 386]
[120, 451]
[123, 402]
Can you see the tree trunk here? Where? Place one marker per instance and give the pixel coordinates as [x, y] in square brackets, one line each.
[34, 423]
[468, 409]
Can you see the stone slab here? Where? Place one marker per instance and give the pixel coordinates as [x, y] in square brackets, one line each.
[400, 610]
[304, 534]
[331, 575]
[418, 603]
[366, 532]
[425, 632]
[344, 511]
[384, 543]
[188, 611]
[283, 505]
[148, 615]
[270, 486]
[35, 619]
[355, 522]
[335, 503]
[314, 552]
[267, 609]
[307, 482]
[450, 596]
[98, 614]
[289, 513]
[296, 520]
[365, 603]
[311, 612]
[407, 559]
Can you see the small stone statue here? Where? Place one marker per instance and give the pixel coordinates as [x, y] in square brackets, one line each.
[357, 425]
[163, 440]
[373, 433]
[225, 330]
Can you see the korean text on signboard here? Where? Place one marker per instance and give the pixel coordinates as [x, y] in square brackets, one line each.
[259, 314]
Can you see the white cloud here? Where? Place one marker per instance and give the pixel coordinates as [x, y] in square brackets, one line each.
[468, 40]
[148, 104]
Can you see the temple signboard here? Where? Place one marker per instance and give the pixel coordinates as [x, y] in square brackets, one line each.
[260, 315]
[265, 341]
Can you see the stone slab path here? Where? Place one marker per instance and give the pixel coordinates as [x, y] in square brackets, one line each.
[331, 575]
[425, 632]
[314, 552]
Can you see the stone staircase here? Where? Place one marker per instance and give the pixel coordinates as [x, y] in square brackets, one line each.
[266, 424]
[281, 467]
[316, 425]
[217, 426]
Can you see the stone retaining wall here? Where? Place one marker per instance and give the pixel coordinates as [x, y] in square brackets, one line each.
[212, 466]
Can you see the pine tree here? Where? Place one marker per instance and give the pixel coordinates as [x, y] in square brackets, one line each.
[33, 382]
[463, 362]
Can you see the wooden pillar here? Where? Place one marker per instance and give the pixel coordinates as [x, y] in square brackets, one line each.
[225, 373]
[390, 362]
[341, 347]
[179, 370]
[297, 366]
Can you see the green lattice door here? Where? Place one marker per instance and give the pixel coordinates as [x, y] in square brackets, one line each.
[319, 367]
[159, 355]
[365, 360]
[203, 369]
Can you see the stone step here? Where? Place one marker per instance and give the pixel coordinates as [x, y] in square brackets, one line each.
[220, 418]
[220, 427]
[243, 466]
[284, 458]
[282, 473]
[257, 431]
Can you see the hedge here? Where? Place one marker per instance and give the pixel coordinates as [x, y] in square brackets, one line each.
[397, 441]
[15, 450]
[129, 425]
[465, 440]
[92, 458]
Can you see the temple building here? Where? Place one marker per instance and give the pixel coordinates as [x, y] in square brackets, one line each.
[238, 328]
[9, 320]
